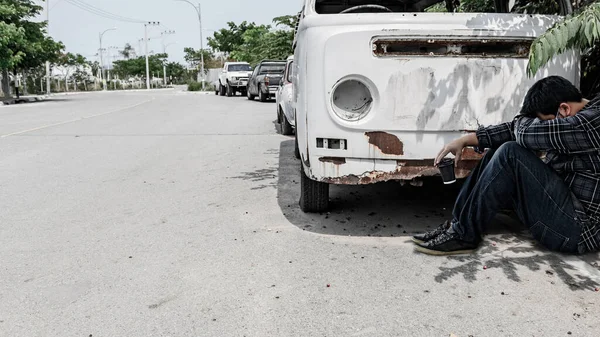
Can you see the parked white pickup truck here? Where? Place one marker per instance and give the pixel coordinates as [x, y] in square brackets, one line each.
[234, 78]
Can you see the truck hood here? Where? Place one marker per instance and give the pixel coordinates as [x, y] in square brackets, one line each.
[239, 74]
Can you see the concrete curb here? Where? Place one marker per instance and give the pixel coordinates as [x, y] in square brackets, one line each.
[27, 99]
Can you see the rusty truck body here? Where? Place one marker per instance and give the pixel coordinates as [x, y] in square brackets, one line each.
[380, 86]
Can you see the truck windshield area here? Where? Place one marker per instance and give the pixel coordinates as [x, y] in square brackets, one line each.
[272, 68]
[550, 7]
[239, 67]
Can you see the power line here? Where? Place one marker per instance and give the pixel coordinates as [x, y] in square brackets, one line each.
[56, 3]
[100, 12]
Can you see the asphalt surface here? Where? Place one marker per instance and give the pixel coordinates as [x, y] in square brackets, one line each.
[167, 213]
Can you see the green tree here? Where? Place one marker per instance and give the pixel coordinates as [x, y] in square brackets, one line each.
[227, 40]
[22, 41]
[264, 42]
[192, 57]
[95, 67]
[127, 51]
[178, 73]
[580, 31]
[137, 66]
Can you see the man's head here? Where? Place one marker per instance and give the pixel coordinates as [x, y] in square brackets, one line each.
[552, 97]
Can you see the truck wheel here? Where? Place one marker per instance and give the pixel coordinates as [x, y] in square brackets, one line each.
[229, 91]
[296, 147]
[243, 92]
[314, 195]
[221, 90]
[262, 96]
[286, 127]
[249, 95]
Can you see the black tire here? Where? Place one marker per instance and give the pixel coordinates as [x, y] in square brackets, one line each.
[262, 96]
[314, 195]
[296, 147]
[286, 127]
[221, 90]
[249, 95]
[217, 92]
[243, 92]
[229, 91]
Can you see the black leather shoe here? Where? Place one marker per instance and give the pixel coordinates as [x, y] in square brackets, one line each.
[422, 238]
[447, 244]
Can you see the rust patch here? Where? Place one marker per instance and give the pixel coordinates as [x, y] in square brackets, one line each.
[470, 154]
[385, 142]
[333, 160]
[406, 170]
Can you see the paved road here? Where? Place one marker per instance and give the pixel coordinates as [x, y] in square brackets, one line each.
[166, 213]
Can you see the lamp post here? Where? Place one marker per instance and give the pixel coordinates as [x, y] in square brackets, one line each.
[199, 11]
[110, 61]
[102, 59]
[164, 65]
[164, 35]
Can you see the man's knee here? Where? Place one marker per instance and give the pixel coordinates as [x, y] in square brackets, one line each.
[511, 150]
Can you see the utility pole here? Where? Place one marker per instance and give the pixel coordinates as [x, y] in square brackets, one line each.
[199, 12]
[48, 62]
[201, 45]
[102, 59]
[150, 23]
[110, 62]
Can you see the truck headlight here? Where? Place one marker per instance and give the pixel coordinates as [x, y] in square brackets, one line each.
[351, 99]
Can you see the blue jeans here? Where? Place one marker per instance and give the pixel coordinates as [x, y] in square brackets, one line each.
[513, 177]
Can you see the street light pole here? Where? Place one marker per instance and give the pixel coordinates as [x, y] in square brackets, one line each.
[102, 60]
[201, 44]
[199, 11]
[164, 34]
[164, 65]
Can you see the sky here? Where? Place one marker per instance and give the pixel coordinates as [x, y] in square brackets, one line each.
[79, 29]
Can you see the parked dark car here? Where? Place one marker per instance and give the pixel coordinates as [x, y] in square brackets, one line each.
[265, 80]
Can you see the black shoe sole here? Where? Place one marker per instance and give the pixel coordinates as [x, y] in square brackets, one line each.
[443, 253]
[417, 241]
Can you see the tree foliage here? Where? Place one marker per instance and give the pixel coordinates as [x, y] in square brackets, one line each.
[580, 31]
[127, 51]
[226, 40]
[137, 66]
[259, 42]
[23, 43]
[192, 57]
[178, 73]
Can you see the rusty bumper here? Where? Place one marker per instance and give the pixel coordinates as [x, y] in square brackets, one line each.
[405, 170]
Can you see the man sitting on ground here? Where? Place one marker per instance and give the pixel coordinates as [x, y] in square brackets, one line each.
[557, 199]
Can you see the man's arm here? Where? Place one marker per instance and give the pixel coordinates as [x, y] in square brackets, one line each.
[579, 133]
[486, 137]
[492, 137]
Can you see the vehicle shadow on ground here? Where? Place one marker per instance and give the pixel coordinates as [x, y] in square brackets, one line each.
[379, 210]
[391, 210]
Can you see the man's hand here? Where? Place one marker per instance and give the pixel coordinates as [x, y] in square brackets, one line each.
[456, 147]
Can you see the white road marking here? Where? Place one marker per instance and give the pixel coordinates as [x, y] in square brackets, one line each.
[77, 119]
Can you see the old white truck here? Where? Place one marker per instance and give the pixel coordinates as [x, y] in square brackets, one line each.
[234, 78]
[380, 85]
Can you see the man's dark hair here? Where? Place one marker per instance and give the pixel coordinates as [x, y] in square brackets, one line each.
[546, 95]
